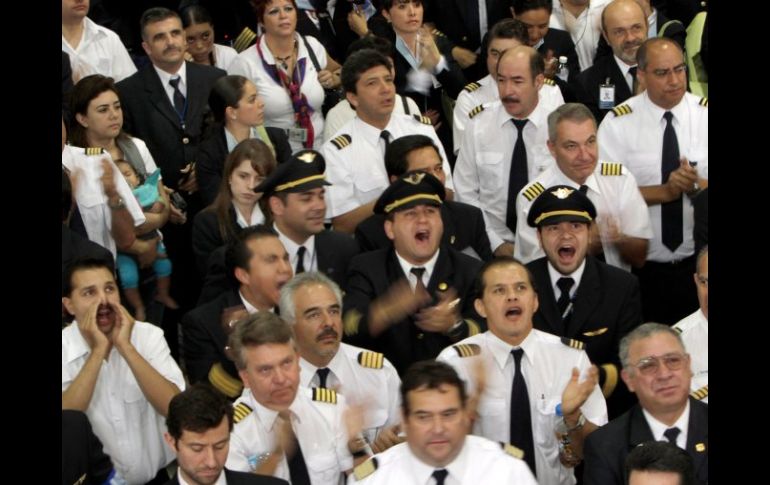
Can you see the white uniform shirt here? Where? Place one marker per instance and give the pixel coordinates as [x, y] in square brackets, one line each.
[224, 55]
[695, 335]
[319, 428]
[636, 141]
[342, 112]
[547, 368]
[90, 196]
[481, 461]
[124, 420]
[587, 29]
[279, 111]
[658, 428]
[376, 389]
[357, 170]
[549, 95]
[616, 197]
[100, 51]
[483, 166]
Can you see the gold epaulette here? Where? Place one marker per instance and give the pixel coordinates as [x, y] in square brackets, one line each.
[478, 109]
[610, 379]
[467, 350]
[371, 360]
[94, 151]
[512, 450]
[704, 102]
[571, 342]
[549, 81]
[621, 110]
[611, 168]
[224, 382]
[701, 393]
[240, 411]
[350, 322]
[531, 192]
[423, 119]
[473, 327]
[470, 87]
[244, 39]
[342, 141]
[365, 469]
[322, 394]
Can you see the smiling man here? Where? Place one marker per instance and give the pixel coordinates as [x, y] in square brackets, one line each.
[519, 375]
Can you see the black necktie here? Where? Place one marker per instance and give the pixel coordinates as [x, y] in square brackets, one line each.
[472, 21]
[521, 419]
[385, 135]
[300, 260]
[632, 72]
[440, 476]
[419, 288]
[323, 373]
[564, 284]
[671, 212]
[297, 467]
[671, 434]
[518, 176]
[178, 96]
[583, 189]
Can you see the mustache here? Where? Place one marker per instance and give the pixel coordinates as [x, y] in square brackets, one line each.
[329, 332]
[509, 99]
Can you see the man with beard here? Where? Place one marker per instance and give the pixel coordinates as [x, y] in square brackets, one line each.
[296, 199]
[119, 372]
[312, 304]
[411, 300]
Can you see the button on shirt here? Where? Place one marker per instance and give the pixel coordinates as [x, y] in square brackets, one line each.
[547, 367]
[357, 171]
[695, 335]
[319, 427]
[480, 461]
[482, 167]
[636, 141]
[616, 197]
[124, 420]
[378, 389]
[100, 51]
[658, 429]
[549, 95]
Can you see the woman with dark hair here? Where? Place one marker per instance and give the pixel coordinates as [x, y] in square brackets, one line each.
[236, 204]
[238, 113]
[199, 32]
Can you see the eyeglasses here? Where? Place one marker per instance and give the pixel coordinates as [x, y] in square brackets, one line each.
[703, 280]
[649, 366]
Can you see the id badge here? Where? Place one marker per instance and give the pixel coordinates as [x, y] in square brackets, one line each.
[606, 96]
[298, 135]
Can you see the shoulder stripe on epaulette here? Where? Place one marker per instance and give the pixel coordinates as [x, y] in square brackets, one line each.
[372, 360]
[571, 342]
[531, 192]
[549, 81]
[321, 394]
[704, 102]
[467, 350]
[365, 469]
[611, 168]
[621, 110]
[423, 119]
[478, 109]
[677, 329]
[701, 393]
[240, 411]
[342, 141]
[512, 450]
[470, 87]
[94, 151]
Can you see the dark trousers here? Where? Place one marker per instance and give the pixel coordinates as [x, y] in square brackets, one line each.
[668, 290]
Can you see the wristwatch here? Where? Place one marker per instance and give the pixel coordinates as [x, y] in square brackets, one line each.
[580, 423]
[119, 204]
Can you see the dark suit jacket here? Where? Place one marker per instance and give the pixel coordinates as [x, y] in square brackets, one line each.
[81, 451]
[149, 115]
[372, 273]
[463, 227]
[66, 87]
[449, 17]
[560, 42]
[587, 84]
[212, 153]
[242, 478]
[206, 237]
[607, 305]
[605, 449]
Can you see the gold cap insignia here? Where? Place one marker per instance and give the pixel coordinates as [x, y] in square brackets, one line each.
[562, 193]
[415, 178]
[307, 157]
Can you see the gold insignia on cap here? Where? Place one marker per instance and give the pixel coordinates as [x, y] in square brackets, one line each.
[531, 192]
[700, 447]
[307, 157]
[512, 450]
[701, 393]
[467, 350]
[414, 178]
[470, 87]
[370, 360]
[297, 182]
[621, 110]
[611, 168]
[442, 286]
[365, 469]
[240, 411]
[322, 394]
[342, 141]
[478, 109]
[549, 81]
[571, 342]
[704, 102]
[562, 193]
[395, 205]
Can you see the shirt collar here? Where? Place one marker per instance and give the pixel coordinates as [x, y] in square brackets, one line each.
[309, 369]
[256, 217]
[537, 117]
[622, 65]
[77, 345]
[501, 350]
[165, 77]
[657, 112]
[220, 481]
[406, 266]
[249, 307]
[371, 134]
[292, 247]
[576, 275]
[92, 31]
[232, 142]
[421, 471]
[658, 428]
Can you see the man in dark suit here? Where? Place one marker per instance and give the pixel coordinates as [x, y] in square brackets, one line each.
[657, 369]
[414, 319]
[657, 462]
[600, 304]
[82, 459]
[295, 197]
[257, 266]
[464, 227]
[199, 423]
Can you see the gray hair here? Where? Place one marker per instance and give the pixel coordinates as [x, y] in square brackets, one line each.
[286, 303]
[644, 331]
[576, 112]
[258, 329]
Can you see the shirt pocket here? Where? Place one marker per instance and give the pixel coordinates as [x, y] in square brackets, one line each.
[543, 423]
[491, 170]
[323, 467]
[369, 183]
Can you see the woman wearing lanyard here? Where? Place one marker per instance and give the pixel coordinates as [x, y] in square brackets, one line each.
[239, 113]
[285, 75]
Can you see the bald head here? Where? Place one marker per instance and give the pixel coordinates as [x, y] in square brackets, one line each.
[624, 27]
[663, 71]
[519, 77]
